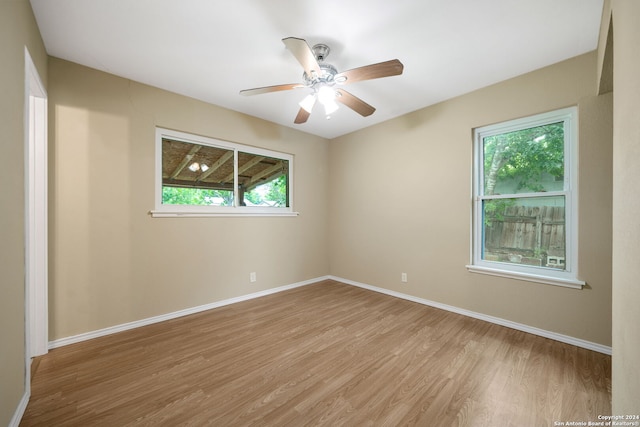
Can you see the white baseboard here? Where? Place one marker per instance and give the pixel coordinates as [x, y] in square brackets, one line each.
[22, 406]
[150, 320]
[503, 322]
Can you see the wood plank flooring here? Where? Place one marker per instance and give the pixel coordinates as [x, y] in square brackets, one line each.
[324, 354]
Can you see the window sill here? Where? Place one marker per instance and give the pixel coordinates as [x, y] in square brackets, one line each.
[548, 280]
[169, 214]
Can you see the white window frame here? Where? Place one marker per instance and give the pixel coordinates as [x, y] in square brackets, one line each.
[164, 210]
[567, 277]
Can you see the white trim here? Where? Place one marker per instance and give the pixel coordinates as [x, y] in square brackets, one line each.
[36, 221]
[524, 195]
[547, 280]
[178, 214]
[568, 276]
[491, 319]
[161, 210]
[168, 316]
[19, 413]
[35, 226]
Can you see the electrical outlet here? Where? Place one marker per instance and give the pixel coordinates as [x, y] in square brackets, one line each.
[403, 277]
[252, 277]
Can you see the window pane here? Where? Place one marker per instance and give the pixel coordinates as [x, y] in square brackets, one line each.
[529, 231]
[263, 181]
[524, 161]
[194, 174]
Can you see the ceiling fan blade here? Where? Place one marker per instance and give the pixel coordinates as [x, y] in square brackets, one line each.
[368, 72]
[302, 117]
[303, 53]
[267, 89]
[355, 103]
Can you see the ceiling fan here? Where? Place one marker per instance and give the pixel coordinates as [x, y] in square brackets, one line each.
[322, 79]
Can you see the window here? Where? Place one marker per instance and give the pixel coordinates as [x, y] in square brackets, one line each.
[525, 199]
[199, 176]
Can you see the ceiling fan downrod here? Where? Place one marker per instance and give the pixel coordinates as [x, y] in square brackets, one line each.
[321, 51]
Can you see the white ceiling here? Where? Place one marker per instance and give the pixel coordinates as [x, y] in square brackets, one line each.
[211, 49]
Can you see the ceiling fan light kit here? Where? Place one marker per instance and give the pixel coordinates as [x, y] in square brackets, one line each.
[308, 102]
[321, 78]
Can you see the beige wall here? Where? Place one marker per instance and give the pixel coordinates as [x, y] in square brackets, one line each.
[626, 204]
[111, 263]
[401, 202]
[17, 30]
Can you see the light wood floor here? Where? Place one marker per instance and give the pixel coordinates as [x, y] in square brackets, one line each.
[324, 354]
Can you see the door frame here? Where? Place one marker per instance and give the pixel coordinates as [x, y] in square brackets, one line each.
[36, 216]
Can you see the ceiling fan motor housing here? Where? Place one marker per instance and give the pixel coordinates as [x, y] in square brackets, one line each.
[326, 77]
[320, 51]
